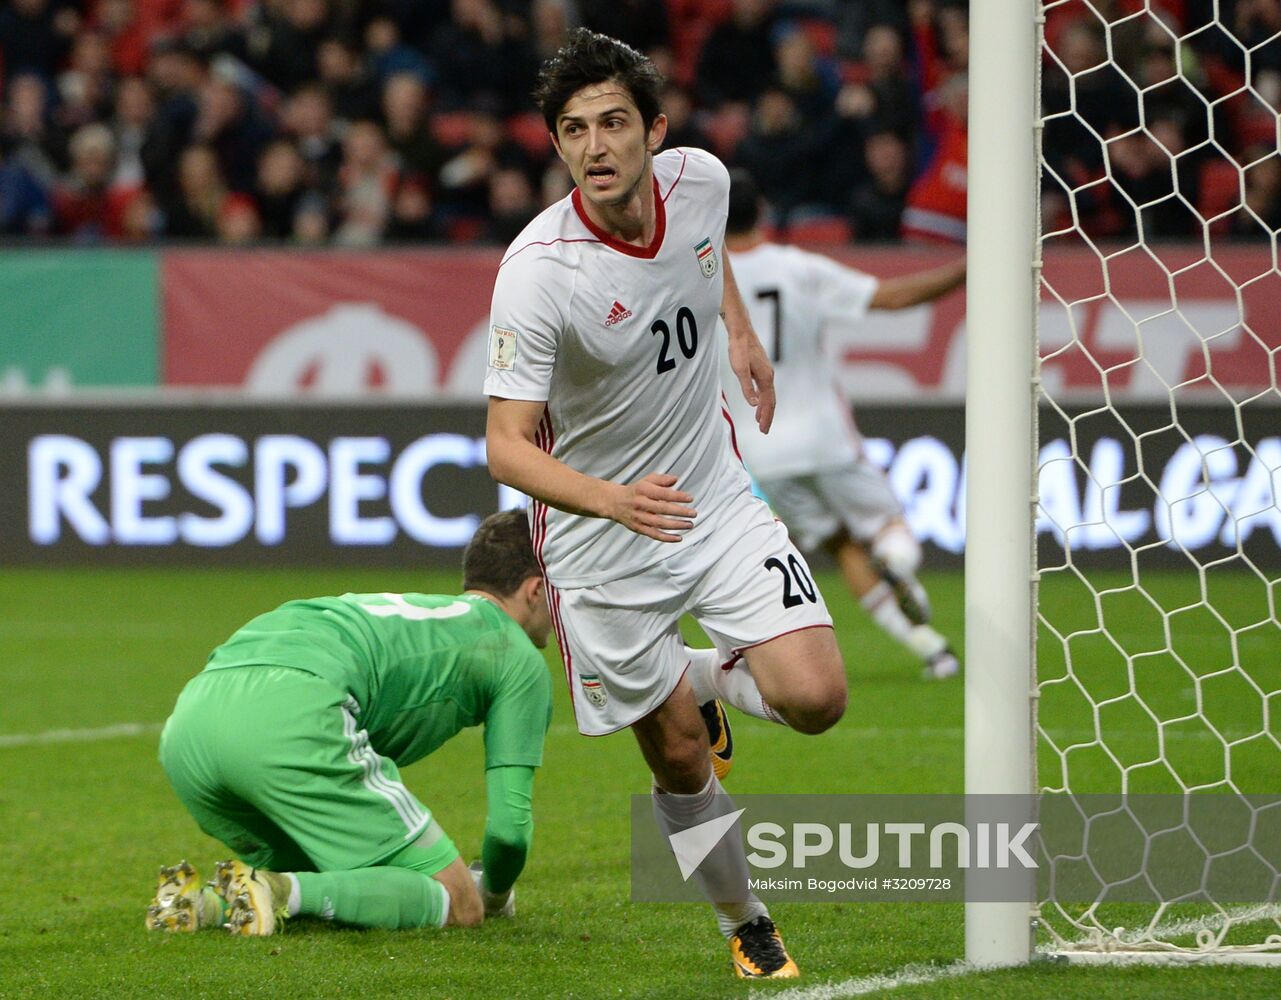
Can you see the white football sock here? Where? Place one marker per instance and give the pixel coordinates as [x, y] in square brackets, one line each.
[722, 875]
[882, 605]
[735, 686]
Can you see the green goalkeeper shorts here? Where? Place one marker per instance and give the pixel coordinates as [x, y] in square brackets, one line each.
[274, 763]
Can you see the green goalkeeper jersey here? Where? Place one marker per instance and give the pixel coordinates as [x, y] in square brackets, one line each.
[421, 667]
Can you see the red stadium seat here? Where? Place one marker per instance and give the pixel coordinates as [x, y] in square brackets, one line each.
[453, 128]
[529, 131]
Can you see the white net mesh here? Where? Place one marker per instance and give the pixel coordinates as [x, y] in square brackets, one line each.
[1161, 446]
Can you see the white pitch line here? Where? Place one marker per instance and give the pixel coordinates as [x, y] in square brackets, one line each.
[909, 975]
[78, 735]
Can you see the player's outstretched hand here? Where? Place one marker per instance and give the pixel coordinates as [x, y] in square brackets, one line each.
[652, 507]
[756, 376]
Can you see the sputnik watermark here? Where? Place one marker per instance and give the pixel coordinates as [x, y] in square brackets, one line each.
[1066, 848]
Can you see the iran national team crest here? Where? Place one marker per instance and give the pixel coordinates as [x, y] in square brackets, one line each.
[593, 689]
[706, 254]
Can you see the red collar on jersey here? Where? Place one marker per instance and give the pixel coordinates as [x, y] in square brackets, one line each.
[649, 252]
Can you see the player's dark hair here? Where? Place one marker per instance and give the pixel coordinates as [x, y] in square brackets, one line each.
[744, 203]
[590, 57]
[500, 556]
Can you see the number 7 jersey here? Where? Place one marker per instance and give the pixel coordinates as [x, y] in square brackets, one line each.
[623, 344]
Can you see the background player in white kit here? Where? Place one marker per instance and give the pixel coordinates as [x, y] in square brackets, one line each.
[812, 467]
[605, 407]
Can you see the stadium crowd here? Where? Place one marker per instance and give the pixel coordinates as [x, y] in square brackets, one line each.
[362, 123]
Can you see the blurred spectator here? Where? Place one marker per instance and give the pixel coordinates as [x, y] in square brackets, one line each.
[308, 120]
[413, 216]
[85, 208]
[283, 44]
[208, 30]
[25, 209]
[512, 206]
[238, 222]
[1104, 103]
[405, 107]
[280, 189]
[311, 221]
[84, 87]
[135, 112]
[550, 22]
[780, 153]
[201, 192]
[1141, 171]
[476, 58]
[35, 36]
[141, 219]
[682, 127]
[119, 21]
[811, 84]
[388, 53]
[230, 123]
[882, 87]
[876, 205]
[936, 202]
[855, 20]
[352, 93]
[29, 134]
[464, 179]
[176, 77]
[737, 61]
[366, 183]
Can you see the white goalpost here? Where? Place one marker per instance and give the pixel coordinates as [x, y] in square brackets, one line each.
[1155, 671]
[999, 437]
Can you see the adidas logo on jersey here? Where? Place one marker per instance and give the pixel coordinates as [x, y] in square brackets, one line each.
[617, 313]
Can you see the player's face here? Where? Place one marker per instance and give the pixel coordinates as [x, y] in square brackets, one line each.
[604, 142]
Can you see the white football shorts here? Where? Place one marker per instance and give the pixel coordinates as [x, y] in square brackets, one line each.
[620, 640]
[856, 497]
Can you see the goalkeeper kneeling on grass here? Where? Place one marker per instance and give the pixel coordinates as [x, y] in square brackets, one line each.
[287, 746]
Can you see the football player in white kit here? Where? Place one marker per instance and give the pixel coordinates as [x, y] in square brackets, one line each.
[605, 407]
[812, 467]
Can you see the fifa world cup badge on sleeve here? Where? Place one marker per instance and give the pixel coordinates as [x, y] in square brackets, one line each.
[706, 254]
[502, 348]
[593, 689]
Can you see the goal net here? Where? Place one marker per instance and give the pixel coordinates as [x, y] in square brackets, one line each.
[1158, 533]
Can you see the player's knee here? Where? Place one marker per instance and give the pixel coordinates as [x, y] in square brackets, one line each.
[819, 709]
[685, 766]
[898, 550]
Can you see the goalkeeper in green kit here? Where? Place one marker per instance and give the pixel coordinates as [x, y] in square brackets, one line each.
[287, 746]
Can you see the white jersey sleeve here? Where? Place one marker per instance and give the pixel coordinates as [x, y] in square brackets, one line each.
[840, 292]
[525, 321]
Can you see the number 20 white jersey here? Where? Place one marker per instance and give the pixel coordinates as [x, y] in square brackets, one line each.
[624, 344]
[791, 294]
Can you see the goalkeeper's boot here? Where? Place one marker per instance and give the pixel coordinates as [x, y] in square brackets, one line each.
[257, 900]
[182, 904]
[758, 952]
[942, 665]
[720, 736]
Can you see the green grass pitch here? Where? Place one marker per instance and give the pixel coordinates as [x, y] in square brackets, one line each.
[87, 821]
